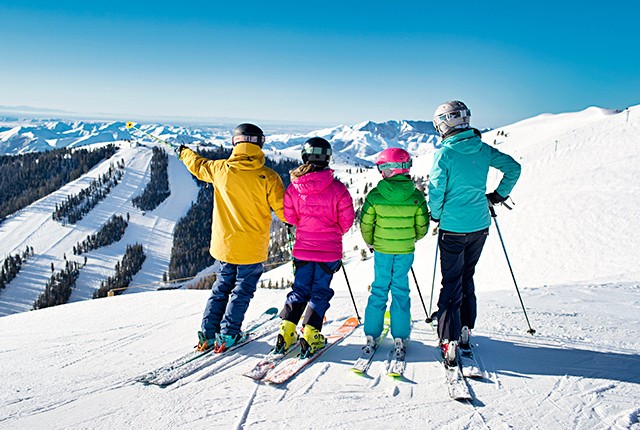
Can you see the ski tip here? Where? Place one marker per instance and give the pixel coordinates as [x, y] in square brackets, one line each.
[352, 322]
[129, 124]
[394, 375]
[271, 311]
[357, 371]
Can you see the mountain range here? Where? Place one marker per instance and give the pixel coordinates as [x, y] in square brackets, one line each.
[359, 142]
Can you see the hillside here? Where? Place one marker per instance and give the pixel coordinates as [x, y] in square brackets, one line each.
[571, 240]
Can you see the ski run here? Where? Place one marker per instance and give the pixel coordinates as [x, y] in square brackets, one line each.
[572, 239]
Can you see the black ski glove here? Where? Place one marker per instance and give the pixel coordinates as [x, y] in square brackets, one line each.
[496, 198]
[179, 149]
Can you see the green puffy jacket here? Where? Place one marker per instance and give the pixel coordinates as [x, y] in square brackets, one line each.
[394, 216]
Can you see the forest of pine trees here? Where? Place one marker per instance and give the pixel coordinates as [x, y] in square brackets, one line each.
[192, 235]
[157, 190]
[12, 265]
[131, 263]
[26, 178]
[111, 232]
[76, 206]
[59, 287]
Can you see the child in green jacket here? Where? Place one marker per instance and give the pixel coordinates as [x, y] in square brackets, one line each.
[393, 218]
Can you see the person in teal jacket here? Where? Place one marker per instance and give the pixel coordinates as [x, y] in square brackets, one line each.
[393, 218]
[459, 203]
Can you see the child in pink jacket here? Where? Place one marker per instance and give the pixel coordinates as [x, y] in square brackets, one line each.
[321, 208]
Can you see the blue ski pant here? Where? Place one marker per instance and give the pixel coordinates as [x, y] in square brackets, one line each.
[459, 254]
[391, 274]
[230, 296]
[311, 290]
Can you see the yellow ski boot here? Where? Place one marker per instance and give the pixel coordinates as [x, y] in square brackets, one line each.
[286, 338]
[311, 341]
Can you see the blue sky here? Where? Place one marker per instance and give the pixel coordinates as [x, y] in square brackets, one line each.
[325, 62]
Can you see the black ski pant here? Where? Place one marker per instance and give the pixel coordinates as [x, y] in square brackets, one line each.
[459, 254]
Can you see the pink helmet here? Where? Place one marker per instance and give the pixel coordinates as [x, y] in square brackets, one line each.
[393, 161]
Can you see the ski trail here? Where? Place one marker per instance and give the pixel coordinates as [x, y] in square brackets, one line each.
[247, 407]
[315, 379]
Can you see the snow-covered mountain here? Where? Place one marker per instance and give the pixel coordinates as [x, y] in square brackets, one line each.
[356, 143]
[19, 136]
[571, 240]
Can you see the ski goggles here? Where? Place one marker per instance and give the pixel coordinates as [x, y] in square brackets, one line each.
[247, 138]
[394, 165]
[465, 113]
[308, 149]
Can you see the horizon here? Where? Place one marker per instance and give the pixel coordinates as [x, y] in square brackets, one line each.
[335, 64]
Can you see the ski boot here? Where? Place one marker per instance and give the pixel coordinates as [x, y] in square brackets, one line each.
[400, 349]
[286, 338]
[448, 349]
[226, 341]
[465, 339]
[311, 341]
[204, 343]
[370, 346]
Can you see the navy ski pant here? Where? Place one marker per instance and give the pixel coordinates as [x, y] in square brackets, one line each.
[311, 290]
[459, 254]
[230, 296]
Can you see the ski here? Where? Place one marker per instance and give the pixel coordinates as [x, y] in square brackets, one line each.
[363, 363]
[456, 385]
[270, 361]
[193, 361]
[397, 363]
[292, 365]
[469, 363]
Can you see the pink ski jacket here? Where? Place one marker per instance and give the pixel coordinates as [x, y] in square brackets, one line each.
[321, 208]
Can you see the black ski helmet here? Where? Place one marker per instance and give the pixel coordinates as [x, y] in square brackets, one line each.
[316, 151]
[248, 133]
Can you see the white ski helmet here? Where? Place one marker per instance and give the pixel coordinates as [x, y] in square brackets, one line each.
[450, 116]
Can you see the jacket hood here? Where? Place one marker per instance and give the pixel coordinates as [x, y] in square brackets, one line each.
[466, 142]
[313, 182]
[246, 156]
[396, 188]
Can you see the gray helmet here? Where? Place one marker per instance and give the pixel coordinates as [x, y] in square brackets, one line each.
[316, 151]
[248, 133]
[452, 115]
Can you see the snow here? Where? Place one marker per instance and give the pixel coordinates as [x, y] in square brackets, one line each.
[572, 241]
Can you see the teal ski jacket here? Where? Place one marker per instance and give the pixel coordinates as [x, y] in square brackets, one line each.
[394, 216]
[458, 181]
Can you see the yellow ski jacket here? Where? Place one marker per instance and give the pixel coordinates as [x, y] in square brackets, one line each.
[245, 192]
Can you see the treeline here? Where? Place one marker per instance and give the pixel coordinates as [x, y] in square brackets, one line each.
[59, 287]
[111, 232]
[78, 205]
[157, 190]
[12, 265]
[131, 263]
[26, 178]
[192, 235]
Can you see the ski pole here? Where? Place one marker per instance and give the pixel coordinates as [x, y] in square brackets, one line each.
[293, 264]
[351, 292]
[131, 125]
[415, 280]
[495, 220]
[433, 282]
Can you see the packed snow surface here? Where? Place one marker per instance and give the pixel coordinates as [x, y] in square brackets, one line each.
[571, 239]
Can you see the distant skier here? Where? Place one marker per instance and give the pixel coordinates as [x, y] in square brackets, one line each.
[245, 192]
[393, 218]
[457, 200]
[321, 208]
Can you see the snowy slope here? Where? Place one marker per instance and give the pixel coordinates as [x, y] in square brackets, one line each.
[33, 226]
[571, 240]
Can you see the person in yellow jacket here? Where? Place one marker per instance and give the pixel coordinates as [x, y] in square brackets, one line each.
[245, 193]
